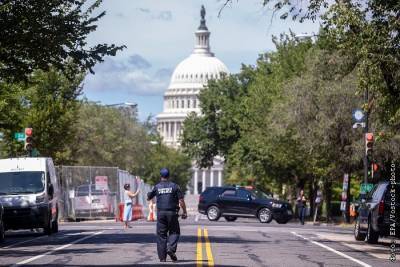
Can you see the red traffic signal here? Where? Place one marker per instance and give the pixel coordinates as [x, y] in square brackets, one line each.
[375, 167]
[28, 139]
[369, 143]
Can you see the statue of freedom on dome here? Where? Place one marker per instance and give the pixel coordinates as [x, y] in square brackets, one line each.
[202, 12]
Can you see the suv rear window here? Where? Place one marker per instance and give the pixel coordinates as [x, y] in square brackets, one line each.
[229, 193]
[209, 191]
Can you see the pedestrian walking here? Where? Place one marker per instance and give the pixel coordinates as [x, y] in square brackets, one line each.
[169, 199]
[318, 202]
[302, 206]
[128, 195]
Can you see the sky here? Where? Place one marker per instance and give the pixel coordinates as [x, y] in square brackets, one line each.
[159, 34]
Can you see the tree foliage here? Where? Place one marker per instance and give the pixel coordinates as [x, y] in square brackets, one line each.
[39, 34]
[177, 162]
[47, 103]
[105, 136]
[291, 120]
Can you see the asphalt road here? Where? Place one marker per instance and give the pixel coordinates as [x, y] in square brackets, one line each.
[203, 243]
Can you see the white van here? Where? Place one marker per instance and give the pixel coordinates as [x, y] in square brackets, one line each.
[29, 193]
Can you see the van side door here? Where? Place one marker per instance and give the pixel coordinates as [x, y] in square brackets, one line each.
[51, 187]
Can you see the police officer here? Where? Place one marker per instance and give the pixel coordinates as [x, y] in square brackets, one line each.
[169, 198]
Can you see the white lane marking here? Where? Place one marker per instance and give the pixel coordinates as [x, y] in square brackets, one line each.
[80, 233]
[56, 249]
[22, 242]
[333, 250]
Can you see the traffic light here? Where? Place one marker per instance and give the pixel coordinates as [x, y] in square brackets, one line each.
[28, 140]
[369, 144]
[375, 171]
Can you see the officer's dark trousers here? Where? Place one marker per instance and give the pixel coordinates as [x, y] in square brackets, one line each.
[168, 232]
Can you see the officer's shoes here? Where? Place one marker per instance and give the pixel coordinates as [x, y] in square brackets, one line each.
[172, 255]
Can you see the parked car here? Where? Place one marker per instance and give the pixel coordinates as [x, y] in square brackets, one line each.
[92, 202]
[378, 215]
[29, 193]
[233, 202]
[2, 234]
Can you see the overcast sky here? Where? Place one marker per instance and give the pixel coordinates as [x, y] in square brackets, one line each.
[160, 33]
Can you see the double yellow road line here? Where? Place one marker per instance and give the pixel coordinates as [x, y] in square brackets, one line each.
[199, 249]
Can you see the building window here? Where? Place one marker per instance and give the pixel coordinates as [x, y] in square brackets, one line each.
[194, 103]
[177, 103]
[173, 104]
[183, 104]
[188, 103]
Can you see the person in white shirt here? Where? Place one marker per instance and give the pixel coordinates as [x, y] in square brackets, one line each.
[128, 195]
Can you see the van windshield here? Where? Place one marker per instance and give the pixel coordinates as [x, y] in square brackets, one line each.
[21, 182]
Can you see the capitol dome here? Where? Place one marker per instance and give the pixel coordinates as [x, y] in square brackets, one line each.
[189, 77]
[197, 68]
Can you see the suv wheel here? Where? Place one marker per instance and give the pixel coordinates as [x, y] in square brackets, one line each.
[282, 221]
[230, 218]
[213, 213]
[372, 235]
[357, 233]
[265, 215]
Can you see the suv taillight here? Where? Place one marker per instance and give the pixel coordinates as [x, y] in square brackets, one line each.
[381, 207]
[201, 198]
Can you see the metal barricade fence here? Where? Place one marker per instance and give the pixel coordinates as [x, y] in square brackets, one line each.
[93, 192]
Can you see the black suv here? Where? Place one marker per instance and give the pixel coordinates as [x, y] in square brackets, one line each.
[378, 215]
[233, 202]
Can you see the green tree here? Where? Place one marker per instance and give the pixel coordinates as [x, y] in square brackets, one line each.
[107, 137]
[47, 103]
[52, 110]
[11, 116]
[177, 162]
[39, 34]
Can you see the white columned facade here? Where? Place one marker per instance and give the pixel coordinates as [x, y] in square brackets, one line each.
[175, 131]
[211, 177]
[219, 177]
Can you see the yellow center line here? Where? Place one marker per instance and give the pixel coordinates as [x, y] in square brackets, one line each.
[199, 251]
[208, 249]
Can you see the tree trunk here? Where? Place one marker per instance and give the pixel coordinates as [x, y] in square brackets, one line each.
[328, 198]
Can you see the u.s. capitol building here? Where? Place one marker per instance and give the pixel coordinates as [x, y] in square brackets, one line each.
[181, 98]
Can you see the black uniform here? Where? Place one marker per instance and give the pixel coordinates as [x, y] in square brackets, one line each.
[168, 195]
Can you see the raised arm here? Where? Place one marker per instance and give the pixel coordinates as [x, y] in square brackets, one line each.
[130, 194]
